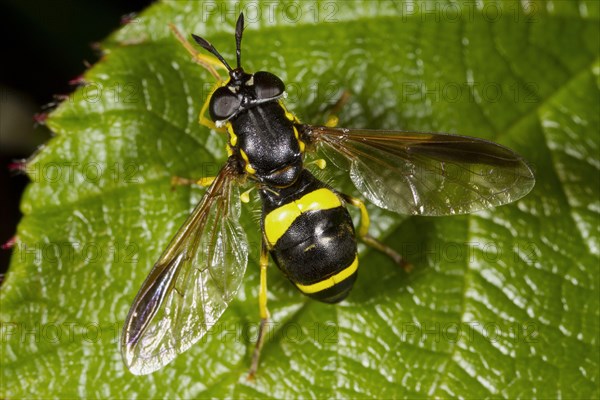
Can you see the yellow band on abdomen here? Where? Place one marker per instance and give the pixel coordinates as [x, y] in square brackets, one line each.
[331, 281]
[278, 221]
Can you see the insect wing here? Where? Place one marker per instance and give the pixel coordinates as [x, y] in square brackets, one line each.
[192, 283]
[426, 173]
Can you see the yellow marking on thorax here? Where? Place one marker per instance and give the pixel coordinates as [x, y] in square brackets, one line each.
[288, 114]
[331, 281]
[249, 169]
[232, 139]
[232, 136]
[278, 221]
[300, 142]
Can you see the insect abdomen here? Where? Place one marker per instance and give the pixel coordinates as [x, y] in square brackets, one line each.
[312, 240]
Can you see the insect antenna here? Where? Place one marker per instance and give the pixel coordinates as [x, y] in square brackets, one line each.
[239, 29]
[207, 46]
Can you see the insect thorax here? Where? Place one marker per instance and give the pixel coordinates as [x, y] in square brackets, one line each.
[267, 142]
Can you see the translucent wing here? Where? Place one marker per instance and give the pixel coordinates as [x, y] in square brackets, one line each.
[191, 284]
[426, 173]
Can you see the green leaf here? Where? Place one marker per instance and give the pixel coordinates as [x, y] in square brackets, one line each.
[502, 303]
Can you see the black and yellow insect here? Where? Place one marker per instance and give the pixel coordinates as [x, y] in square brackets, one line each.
[305, 224]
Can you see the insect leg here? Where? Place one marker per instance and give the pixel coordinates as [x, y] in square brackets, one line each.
[210, 63]
[204, 182]
[206, 121]
[363, 234]
[264, 311]
[332, 118]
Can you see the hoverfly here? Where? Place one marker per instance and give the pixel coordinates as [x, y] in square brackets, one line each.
[306, 227]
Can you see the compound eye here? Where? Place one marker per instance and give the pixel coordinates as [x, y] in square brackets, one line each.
[267, 85]
[223, 104]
